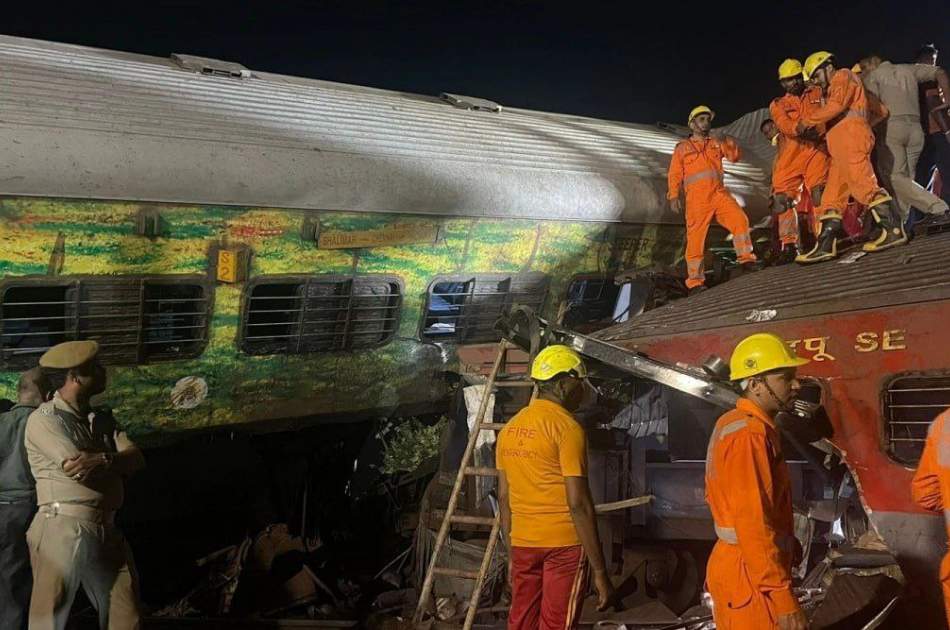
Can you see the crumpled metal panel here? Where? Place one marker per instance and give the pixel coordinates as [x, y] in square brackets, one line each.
[86, 123]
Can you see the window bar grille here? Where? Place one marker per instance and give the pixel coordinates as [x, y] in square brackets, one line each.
[302, 318]
[77, 295]
[140, 347]
[349, 313]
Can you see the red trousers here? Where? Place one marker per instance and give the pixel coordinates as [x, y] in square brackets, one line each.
[548, 585]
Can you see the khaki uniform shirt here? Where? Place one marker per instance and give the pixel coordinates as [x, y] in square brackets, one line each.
[56, 432]
[897, 86]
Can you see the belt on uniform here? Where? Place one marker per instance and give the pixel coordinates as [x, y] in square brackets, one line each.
[75, 510]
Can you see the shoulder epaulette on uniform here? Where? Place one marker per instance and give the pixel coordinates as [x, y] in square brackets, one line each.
[47, 409]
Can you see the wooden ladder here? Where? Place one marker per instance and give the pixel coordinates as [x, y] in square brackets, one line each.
[465, 470]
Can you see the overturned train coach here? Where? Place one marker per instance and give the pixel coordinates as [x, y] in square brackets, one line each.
[873, 329]
[267, 251]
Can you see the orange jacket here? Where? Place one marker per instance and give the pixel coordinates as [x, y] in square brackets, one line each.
[786, 111]
[846, 98]
[931, 484]
[699, 162]
[750, 496]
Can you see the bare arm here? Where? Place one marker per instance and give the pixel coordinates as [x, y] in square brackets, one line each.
[585, 521]
[943, 80]
[504, 509]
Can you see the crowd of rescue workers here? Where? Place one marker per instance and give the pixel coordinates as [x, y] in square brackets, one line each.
[63, 462]
[831, 128]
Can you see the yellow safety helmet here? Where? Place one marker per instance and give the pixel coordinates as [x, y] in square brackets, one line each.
[856, 68]
[761, 353]
[789, 68]
[557, 359]
[701, 109]
[813, 61]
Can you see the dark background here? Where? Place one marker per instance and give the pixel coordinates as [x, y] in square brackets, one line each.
[633, 61]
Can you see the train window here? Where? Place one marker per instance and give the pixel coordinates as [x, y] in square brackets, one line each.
[464, 309]
[320, 314]
[134, 319]
[590, 299]
[910, 405]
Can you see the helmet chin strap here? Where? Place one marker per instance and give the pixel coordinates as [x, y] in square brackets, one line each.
[782, 406]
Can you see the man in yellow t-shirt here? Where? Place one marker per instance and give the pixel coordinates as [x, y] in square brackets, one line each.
[547, 513]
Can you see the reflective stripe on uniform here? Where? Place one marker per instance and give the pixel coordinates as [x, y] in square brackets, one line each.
[730, 428]
[856, 113]
[783, 541]
[742, 243]
[727, 535]
[707, 174]
[694, 269]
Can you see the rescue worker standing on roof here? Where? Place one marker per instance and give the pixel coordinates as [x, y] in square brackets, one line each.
[931, 487]
[697, 166]
[749, 494]
[846, 115]
[79, 458]
[802, 159]
[547, 513]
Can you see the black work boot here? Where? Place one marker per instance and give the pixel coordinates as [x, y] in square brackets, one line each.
[697, 289]
[932, 223]
[892, 228]
[788, 255]
[826, 245]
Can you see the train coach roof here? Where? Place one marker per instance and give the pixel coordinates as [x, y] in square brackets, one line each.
[916, 272]
[86, 123]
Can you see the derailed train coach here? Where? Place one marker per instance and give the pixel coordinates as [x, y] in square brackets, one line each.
[262, 250]
[872, 326]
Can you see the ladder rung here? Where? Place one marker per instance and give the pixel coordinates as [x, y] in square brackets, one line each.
[458, 573]
[481, 472]
[465, 518]
[473, 520]
[514, 383]
[492, 426]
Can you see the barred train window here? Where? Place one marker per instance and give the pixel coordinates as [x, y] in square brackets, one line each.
[134, 319]
[590, 299]
[910, 405]
[464, 309]
[320, 314]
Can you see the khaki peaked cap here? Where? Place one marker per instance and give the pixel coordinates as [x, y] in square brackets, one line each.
[68, 355]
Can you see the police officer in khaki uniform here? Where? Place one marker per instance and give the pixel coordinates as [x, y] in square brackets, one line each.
[79, 458]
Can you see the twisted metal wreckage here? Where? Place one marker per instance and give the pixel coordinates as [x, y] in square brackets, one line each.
[849, 577]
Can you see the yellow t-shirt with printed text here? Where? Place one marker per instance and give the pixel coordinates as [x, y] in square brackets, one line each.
[540, 446]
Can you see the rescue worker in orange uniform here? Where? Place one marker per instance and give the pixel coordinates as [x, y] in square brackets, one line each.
[847, 117]
[931, 487]
[802, 160]
[697, 166]
[750, 495]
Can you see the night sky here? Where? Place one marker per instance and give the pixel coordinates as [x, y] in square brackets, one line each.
[642, 63]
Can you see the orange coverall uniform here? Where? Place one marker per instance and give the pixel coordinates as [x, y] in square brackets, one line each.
[850, 140]
[749, 493]
[697, 166]
[931, 487]
[799, 161]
